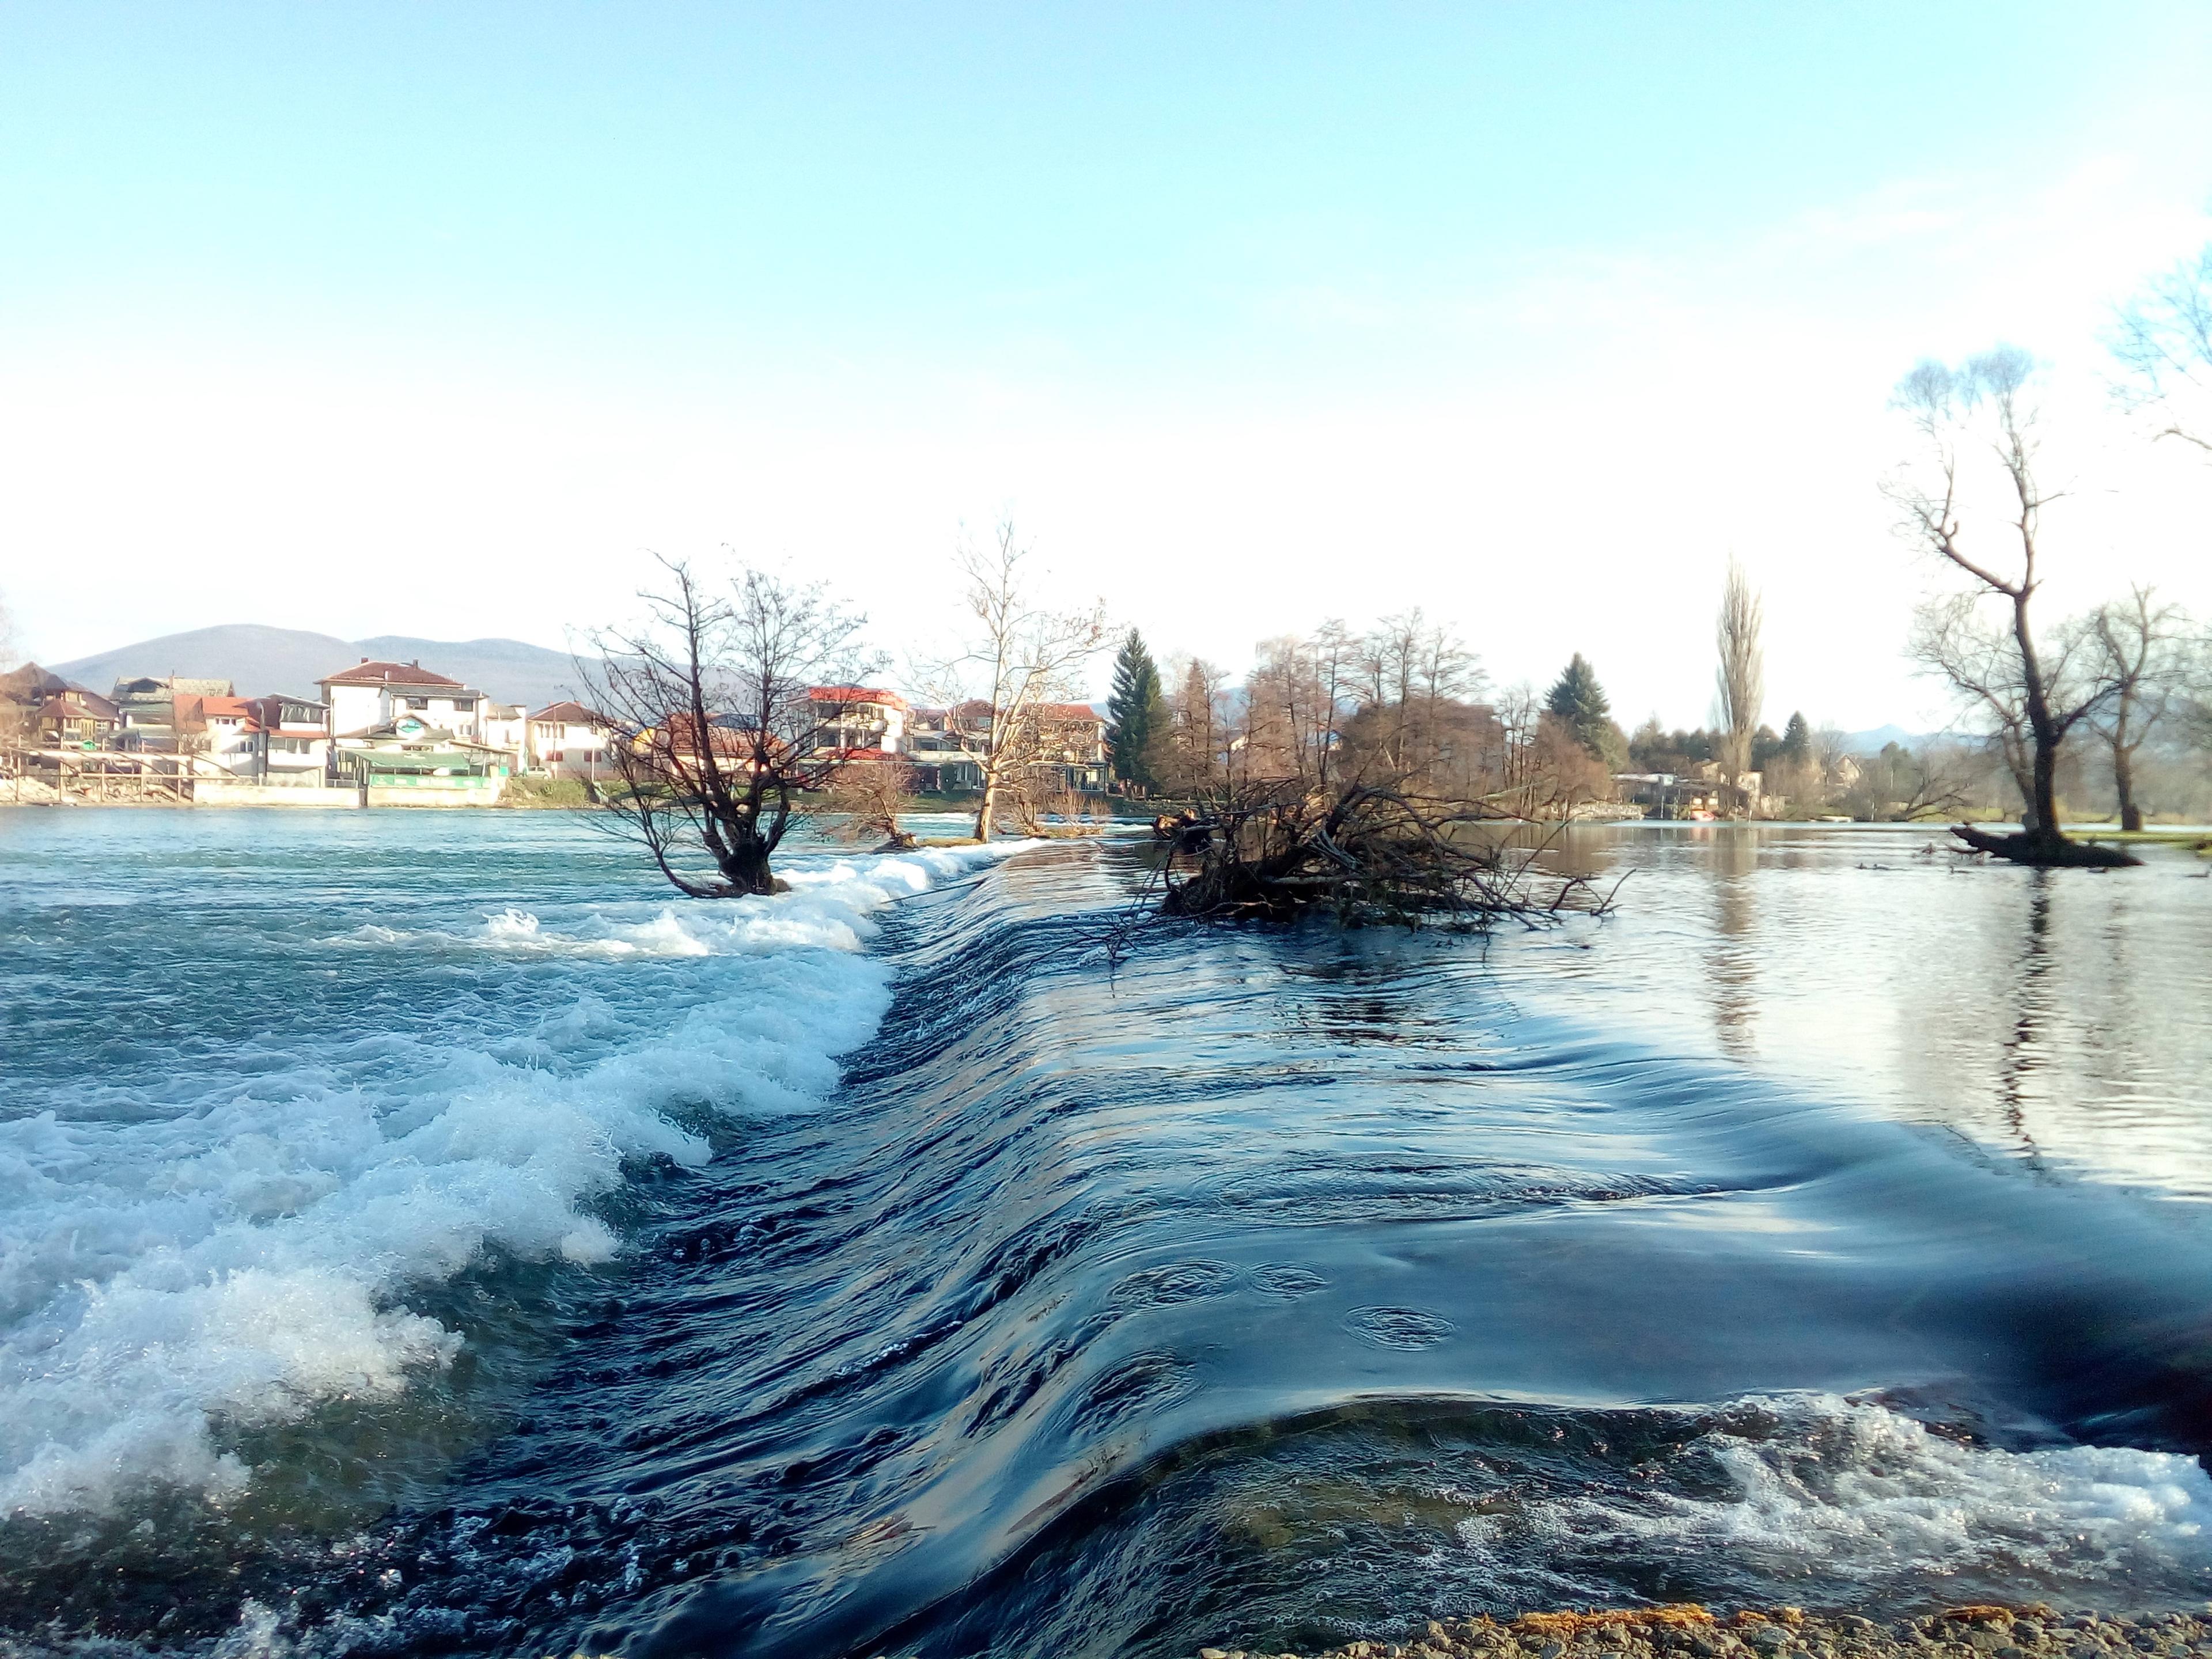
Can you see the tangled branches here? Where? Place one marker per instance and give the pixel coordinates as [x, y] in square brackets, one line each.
[1368, 852]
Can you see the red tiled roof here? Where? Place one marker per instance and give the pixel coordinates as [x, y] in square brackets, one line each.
[71, 706]
[855, 693]
[569, 714]
[388, 673]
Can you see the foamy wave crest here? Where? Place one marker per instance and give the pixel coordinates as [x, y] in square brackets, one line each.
[239, 1254]
[1815, 1486]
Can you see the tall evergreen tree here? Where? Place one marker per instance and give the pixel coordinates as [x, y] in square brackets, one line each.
[1136, 712]
[1579, 700]
[1797, 738]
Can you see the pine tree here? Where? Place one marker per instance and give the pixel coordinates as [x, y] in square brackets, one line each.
[1579, 700]
[1136, 712]
[1797, 738]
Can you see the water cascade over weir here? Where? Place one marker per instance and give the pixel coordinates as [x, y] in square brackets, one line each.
[881, 1270]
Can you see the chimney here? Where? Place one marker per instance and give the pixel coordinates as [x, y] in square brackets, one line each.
[414, 662]
[364, 660]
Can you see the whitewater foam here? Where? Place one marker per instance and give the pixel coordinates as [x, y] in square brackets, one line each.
[238, 1251]
[1815, 1486]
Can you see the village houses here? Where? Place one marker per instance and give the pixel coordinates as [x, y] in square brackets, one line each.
[392, 731]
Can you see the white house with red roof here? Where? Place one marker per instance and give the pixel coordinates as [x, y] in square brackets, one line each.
[371, 696]
[857, 720]
[217, 731]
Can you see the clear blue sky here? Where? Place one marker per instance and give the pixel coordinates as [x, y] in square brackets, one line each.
[478, 291]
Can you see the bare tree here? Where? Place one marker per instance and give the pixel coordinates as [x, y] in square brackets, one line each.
[1956, 410]
[1202, 739]
[1900, 786]
[1022, 658]
[1406, 670]
[714, 727]
[1955, 640]
[2193, 714]
[1520, 713]
[1297, 700]
[15, 718]
[2163, 345]
[2138, 651]
[1289, 718]
[1741, 679]
[870, 794]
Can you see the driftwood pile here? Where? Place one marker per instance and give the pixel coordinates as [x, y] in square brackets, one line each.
[1368, 853]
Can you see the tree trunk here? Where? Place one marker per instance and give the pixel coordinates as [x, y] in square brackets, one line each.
[2123, 780]
[2047, 848]
[2039, 824]
[744, 862]
[2046, 785]
[988, 809]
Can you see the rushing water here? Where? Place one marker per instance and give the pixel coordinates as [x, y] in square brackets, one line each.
[423, 1235]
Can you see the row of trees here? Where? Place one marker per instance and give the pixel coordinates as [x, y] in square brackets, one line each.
[1405, 700]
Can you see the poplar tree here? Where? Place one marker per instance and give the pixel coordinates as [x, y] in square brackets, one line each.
[1740, 681]
[1136, 712]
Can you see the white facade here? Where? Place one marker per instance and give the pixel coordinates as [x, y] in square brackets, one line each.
[231, 733]
[853, 720]
[377, 694]
[294, 757]
[568, 741]
[507, 728]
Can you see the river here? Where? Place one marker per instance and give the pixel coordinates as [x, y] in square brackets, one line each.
[424, 1235]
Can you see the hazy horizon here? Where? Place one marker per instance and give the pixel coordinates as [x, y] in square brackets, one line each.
[431, 324]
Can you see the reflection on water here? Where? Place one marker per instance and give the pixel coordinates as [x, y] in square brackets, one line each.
[1732, 965]
[2063, 1016]
[2024, 1048]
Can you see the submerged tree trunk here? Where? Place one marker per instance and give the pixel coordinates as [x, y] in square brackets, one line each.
[747, 870]
[2044, 847]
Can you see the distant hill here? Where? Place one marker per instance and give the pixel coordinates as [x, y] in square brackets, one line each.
[1873, 743]
[258, 659]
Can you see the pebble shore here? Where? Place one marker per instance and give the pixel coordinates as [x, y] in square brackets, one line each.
[1687, 1631]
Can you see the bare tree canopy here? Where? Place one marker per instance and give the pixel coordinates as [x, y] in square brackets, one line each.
[2163, 342]
[870, 795]
[2139, 660]
[1976, 419]
[1023, 660]
[1741, 679]
[710, 700]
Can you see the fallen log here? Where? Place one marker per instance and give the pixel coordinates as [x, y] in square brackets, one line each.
[2044, 849]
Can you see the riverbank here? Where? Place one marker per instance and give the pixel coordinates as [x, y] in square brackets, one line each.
[1973, 1631]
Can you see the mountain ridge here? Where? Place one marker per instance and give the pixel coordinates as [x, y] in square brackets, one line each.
[258, 659]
